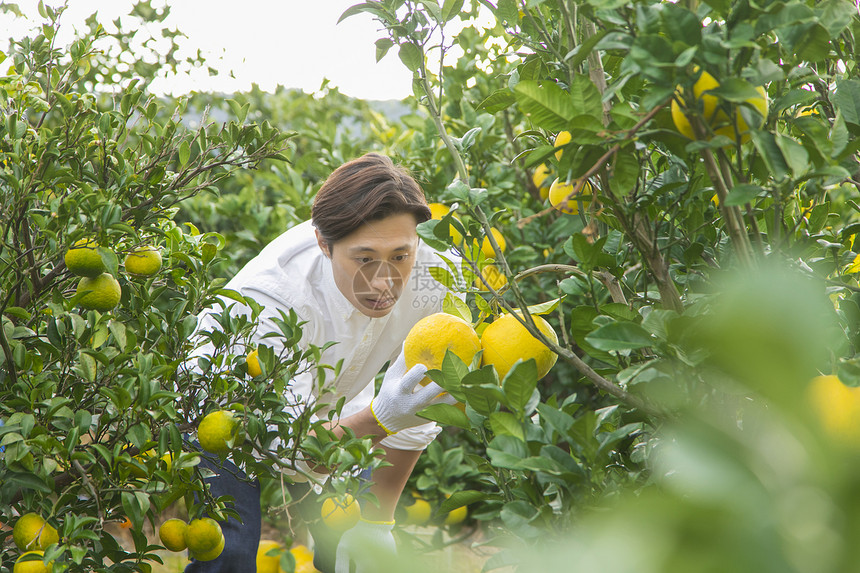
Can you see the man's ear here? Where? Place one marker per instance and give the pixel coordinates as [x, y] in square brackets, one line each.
[323, 244]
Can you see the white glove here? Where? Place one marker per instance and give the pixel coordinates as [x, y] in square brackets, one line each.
[369, 545]
[397, 402]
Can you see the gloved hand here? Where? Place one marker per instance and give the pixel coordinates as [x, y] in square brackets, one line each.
[369, 545]
[397, 402]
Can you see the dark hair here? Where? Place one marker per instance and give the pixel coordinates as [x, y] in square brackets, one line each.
[363, 190]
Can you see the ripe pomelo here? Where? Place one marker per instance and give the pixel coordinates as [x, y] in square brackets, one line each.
[102, 292]
[505, 341]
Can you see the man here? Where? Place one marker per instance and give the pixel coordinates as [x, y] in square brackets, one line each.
[358, 274]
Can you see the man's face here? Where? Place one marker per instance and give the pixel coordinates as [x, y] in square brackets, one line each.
[372, 264]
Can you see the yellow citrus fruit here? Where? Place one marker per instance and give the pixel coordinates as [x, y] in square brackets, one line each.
[540, 178]
[456, 516]
[202, 536]
[216, 429]
[494, 277]
[172, 534]
[487, 248]
[84, 260]
[304, 559]
[102, 292]
[563, 138]
[559, 190]
[143, 261]
[505, 341]
[211, 554]
[711, 111]
[268, 563]
[253, 361]
[340, 514]
[432, 336]
[35, 566]
[419, 512]
[837, 406]
[32, 532]
[439, 210]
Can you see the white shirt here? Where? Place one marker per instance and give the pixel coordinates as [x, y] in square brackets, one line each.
[292, 272]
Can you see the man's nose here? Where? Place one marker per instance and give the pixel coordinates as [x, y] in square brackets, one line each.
[382, 282]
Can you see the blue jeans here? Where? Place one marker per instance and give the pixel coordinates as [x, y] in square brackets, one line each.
[240, 538]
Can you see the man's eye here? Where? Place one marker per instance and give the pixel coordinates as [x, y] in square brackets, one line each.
[364, 260]
[401, 258]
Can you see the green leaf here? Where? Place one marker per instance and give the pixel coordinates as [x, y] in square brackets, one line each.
[589, 255]
[519, 384]
[443, 276]
[742, 194]
[411, 56]
[109, 259]
[835, 15]
[619, 336]
[239, 110]
[736, 90]
[27, 481]
[184, 152]
[432, 8]
[720, 6]
[580, 53]
[88, 366]
[119, 333]
[545, 307]
[456, 306]
[375, 8]
[497, 101]
[506, 451]
[484, 398]
[765, 142]
[624, 173]
[506, 424]
[681, 24]
[18, 312]
[132, 508]
[794, 154]
[848, 371]
[810, 39]
[446, 415]
[609, 440]
[468, 139]
[619, 311]
[847, 100]
[427, 232]
[208, 252]
[451, 9]
[586, 97]
[545, 104]
[382, 47]
[540, 464]
[507, 12]
[461, 498]
[558, 421]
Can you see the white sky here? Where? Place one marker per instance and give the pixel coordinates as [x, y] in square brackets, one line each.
[294, 43]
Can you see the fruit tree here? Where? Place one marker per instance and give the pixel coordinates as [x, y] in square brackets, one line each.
[99, 290]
